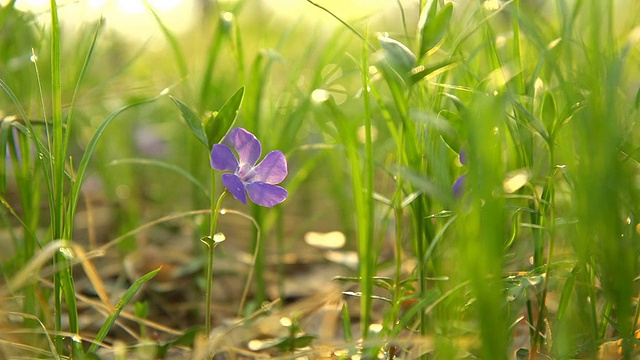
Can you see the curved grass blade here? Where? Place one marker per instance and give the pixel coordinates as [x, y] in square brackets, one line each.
[351, 28]
[398, 56]
[164, 165]
[172, 40]
[124, 300]
[84, 162]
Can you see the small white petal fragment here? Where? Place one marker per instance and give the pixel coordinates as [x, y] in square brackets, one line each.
[330, 240]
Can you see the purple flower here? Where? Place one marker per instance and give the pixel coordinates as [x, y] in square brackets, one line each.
[259, 181]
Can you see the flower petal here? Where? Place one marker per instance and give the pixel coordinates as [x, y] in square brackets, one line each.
[271, 170]
[246, 144]
[222, 158]
[235, 186]
[463, 156]
[266, 194]
[458, 186]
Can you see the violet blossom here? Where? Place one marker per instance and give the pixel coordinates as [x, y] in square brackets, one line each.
[258, 181]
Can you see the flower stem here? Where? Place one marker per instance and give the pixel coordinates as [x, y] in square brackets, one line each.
[211, 244]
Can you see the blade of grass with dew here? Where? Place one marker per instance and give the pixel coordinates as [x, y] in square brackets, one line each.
[124, 300]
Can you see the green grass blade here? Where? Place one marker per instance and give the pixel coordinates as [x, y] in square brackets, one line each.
[59, 156]
[433, 27]
[74, 98]
[124, 300]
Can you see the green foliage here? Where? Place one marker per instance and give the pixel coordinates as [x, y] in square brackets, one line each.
[220, 122]
[433, 26]
[193, 121]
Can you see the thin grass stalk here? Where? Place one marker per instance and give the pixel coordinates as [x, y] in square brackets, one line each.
[44, 161]
[63, 280]
[344, 23]
[280, 252]
[366, 224]
[399, 234]
[245, 291]
[211, 245]
[253, 111]
[212, 57]
[73, 199]
[258, 248]
[175, 47]
[366, 273]
[28, 184]
[517, 54]
[546, 212]
[239, 52]
[193, 146]
[58, 158]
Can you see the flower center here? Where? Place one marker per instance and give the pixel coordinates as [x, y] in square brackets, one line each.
[245, 171]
